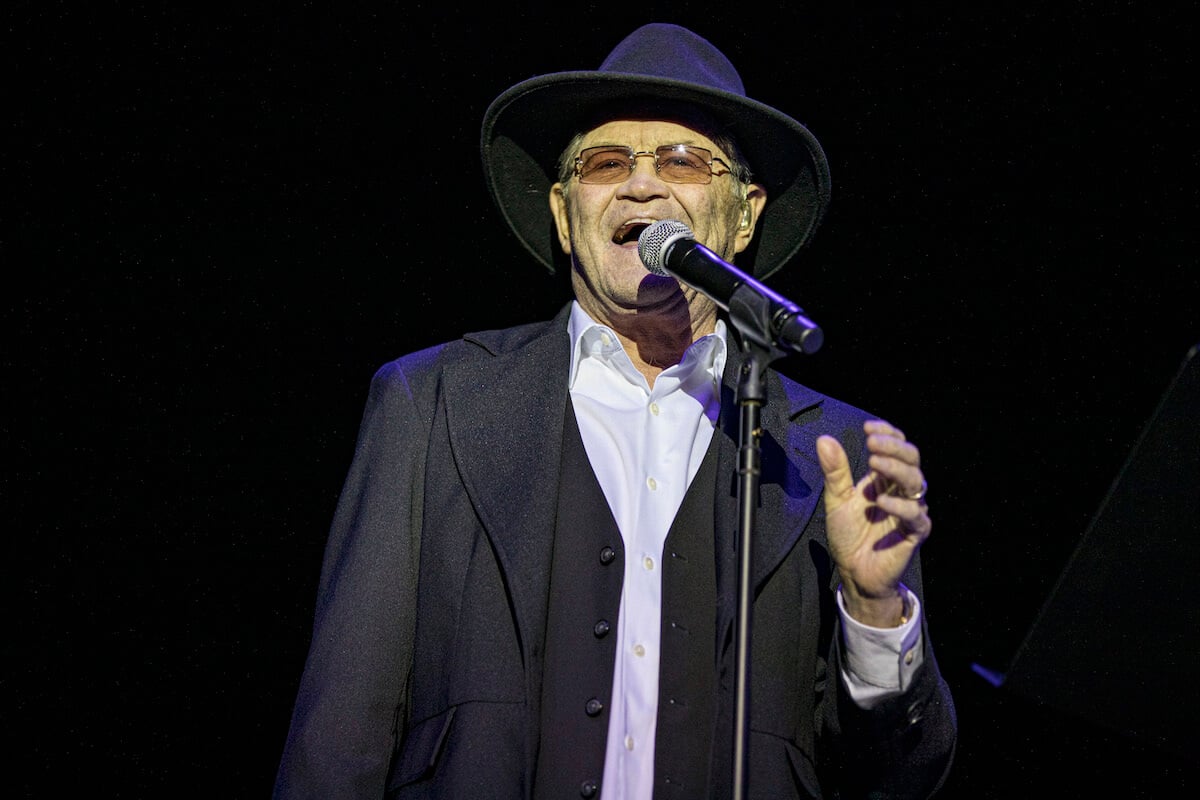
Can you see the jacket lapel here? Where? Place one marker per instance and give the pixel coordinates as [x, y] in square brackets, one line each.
[505, 414]
[790, 483]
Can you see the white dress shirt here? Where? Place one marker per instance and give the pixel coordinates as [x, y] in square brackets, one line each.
[645, 446]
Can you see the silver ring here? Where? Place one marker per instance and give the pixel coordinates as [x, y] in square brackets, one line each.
[920, 494]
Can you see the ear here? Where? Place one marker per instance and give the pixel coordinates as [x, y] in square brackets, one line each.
[558, 210]
[751, 207]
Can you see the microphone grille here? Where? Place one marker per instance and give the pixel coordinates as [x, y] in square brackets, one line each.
[654, 241]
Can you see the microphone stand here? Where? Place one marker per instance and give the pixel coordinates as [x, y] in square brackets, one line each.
[750, 318]
[751, 395]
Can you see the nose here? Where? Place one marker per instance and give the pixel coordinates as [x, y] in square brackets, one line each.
[644, 174]
[645, 154]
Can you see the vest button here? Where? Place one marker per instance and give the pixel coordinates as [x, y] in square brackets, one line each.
[601, 629]
[588, 789]
[607, 555]
[593, 707]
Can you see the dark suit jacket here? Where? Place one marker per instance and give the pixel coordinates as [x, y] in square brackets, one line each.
[431, 689]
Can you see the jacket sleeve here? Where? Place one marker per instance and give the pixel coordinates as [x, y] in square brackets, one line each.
[901, 747]
[351, 701]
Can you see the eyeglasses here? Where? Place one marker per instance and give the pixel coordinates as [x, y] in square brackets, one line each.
[674, 163]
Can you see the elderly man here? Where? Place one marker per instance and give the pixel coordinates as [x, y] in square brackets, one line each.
[530, 585]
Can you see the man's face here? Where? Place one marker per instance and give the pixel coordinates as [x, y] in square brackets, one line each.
[598, 223]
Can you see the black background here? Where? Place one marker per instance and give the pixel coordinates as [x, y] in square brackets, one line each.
[219, 222]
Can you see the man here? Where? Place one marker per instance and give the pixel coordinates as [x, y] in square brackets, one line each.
[529, 587]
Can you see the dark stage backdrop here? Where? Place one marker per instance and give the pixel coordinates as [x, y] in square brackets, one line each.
[217, 223]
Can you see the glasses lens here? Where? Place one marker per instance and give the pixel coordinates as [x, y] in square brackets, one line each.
[605, 164]
[677, 163]
[684, 164]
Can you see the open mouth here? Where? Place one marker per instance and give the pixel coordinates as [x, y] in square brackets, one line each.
[629, 232]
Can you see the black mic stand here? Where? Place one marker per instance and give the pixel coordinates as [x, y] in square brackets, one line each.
[754, 328]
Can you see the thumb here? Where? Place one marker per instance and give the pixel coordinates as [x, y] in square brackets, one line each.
[839, 482]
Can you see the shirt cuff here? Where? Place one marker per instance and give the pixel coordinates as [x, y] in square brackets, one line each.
[880, 662]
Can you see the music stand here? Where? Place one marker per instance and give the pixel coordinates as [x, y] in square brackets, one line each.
[1118, 640]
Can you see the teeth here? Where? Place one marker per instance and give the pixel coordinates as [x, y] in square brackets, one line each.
[624, 233]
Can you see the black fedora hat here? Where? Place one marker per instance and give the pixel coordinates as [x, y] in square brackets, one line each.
[659, 65]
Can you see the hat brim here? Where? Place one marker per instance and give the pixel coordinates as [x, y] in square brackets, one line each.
[526, 128]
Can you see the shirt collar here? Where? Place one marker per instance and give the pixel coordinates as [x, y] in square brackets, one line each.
[590, 338]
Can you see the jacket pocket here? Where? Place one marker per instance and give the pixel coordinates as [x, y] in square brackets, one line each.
[420, 750]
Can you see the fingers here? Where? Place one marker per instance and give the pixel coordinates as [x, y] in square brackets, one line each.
[883, 428]
[896, 484]
[899, 478]
[913, 515]
[839, 481]
[896, 460]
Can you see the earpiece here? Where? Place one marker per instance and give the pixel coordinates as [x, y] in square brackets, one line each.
[744, 222]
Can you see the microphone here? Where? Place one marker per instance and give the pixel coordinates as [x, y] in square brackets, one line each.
[668, 247]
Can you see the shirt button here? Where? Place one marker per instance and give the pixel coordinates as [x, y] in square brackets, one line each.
[654, 409]
[628, 742]
[594, 707]
[607, 554]
[908, 657]
[639, 650]
[648, 563]
[653, 484]
[601, 629]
